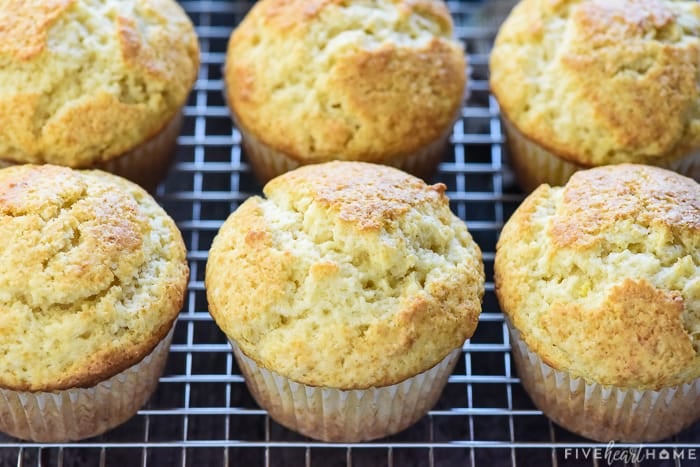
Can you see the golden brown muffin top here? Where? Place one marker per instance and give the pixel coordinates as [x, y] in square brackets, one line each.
[602, 277]
[345, 79]
[92, 276]
[83, 81]
[599, 82]
[349, 275]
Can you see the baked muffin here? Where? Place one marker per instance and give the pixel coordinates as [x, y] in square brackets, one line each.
[347, 295]
[89, 84]
[312, 81]
[587, 83]
[92, 277]
[600, 284]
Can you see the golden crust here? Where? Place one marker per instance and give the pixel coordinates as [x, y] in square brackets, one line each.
[349, 275]
[82, 82]
[602, 277]
[369, 80]
[599, 83]
[594, 202]
[92, 276]
[642, 321]
[25, 25]
[358, 195]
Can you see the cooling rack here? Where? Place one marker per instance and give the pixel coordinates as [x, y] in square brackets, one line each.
[202, 413]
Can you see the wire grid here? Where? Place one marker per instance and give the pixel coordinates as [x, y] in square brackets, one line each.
[202, 414]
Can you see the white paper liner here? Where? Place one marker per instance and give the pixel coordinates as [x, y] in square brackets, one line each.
[147, 164]
[267, 162]
[601, 412]
[338, 415]
[534, 165]
[79, 413]
[688, 166]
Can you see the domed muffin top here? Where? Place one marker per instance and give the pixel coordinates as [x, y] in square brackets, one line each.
[348, 275]
[83, 81]
[92, 276]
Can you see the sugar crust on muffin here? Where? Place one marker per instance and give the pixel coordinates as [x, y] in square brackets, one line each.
[349, 275]
[602, 277]
[598, 82]
[92, 276]
[83, 81]
[357, 80]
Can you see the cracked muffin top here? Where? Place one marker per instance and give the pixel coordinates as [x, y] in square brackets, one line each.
[346, 79]
[602, 277]
[348, 275]
[599, 82]
[83, 81]
[92, 276]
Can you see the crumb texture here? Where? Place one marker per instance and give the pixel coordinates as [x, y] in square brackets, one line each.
[83, 81]
[348, 275]
[599, 82]
[370, 80]
[602, 277]
[92, 276]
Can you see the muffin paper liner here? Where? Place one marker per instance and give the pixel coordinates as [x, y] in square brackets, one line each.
[78, 413]
[267, 162]
[688, 166]
[147, 164]
[330, 414]
[603, 412]
[534, 165]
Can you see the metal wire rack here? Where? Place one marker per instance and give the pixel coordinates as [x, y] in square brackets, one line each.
[202, 413]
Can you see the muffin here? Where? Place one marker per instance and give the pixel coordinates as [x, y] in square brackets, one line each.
[90, 84]
[588, 83]
[92, 277]
[600, 284]
[310, 82]
[347, 295]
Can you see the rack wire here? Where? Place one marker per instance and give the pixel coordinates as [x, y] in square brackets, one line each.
[202, 414]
